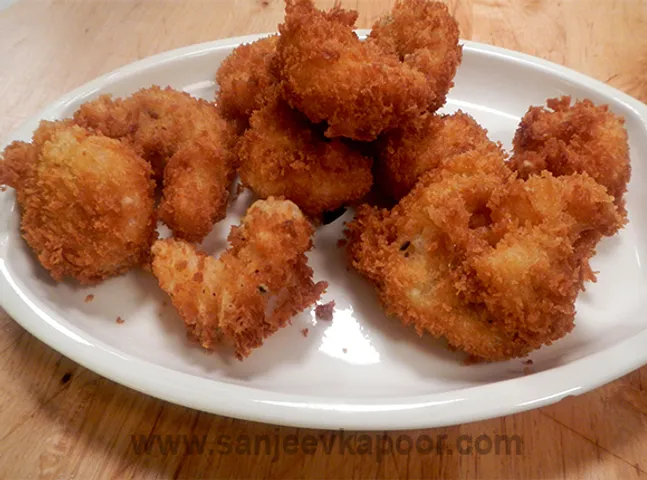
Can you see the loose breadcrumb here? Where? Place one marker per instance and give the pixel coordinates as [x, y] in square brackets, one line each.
[304, 332]
[325, 311]
[89, 298]
[120, 320]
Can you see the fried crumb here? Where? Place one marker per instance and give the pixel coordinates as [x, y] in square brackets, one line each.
[89, 298]
[304, 332]
[345, 350]
[120, 320]
[527, 371]
[527, 362]
[325, 311]
[341, 242]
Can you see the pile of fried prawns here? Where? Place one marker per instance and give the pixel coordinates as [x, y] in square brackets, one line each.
[461, 239]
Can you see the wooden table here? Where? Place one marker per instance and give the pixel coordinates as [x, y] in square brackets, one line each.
[59, 420]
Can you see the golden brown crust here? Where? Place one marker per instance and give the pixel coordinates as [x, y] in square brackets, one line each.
[253, 288]
[189, 146]
[566, 139]
[195, 192]
[423, 144]
[283, 155]
[244, 78]
[330, 75]
[545, 231]
[86, 200]
[488, 261]
[424, 35]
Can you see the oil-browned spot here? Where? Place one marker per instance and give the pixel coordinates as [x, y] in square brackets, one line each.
[67, 376]
[181, 265]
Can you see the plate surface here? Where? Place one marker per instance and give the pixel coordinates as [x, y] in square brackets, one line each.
[362, 370]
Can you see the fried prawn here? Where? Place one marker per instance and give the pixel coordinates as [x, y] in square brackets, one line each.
[253, 288]
[331, 76]
[189, 146]
[86, 201]
[244, 78]
[567, 138]
[282, 154]
[424, 35]
[423, 144]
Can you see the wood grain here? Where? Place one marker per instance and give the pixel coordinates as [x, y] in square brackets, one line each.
[59, 420]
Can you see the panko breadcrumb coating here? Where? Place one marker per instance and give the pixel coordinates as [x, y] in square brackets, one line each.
[545, 230]
[283, 155]
[87, 201]
[244, 78]
[421, 145]
[566, 139]
[488, 261]
[330, 75]
[253, 288]
[424, 35]
[189, 146]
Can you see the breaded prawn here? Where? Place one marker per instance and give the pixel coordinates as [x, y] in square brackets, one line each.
[283, 155]
[244, 78]
[189, 146]
[410, 254]
[86, 201]
[253, 288]
[331, 76]
[545, 231]
[566, 139]
[488, 261]
[423, 144]
[424, 35]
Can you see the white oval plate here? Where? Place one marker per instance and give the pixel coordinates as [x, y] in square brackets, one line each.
[362, 370]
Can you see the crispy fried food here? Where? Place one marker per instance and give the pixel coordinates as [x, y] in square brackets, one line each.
[330, 75]
[186, 142]
[253, 289]
[545, 232]
[488, 261]
[566, 139]
[244, 78]
[424, 35]
[410, 252]
[282, 155]
[423, 144]
[87, 201]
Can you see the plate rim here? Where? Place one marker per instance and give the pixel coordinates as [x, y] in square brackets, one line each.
[393, 413]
